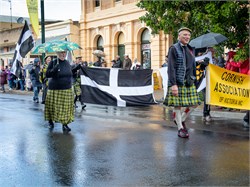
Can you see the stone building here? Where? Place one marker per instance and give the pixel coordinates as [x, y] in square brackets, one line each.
[113, 26]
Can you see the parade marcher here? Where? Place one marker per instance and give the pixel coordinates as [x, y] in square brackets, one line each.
[118, 61]
[59, 104]
[103, 62]
[200, 74]
[221, 61]
[181, 75]
[43, 78]
[10, 78]
[84, 63]
[3, 78]
[77, 82]
[21, 78]
[165, 64]
[34, 77]
[98, 63]
[229, 59]
[114, 64]
[136, 65]
[243, 66]
[127, 63]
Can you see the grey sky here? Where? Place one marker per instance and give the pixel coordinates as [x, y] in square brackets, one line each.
[54, 9]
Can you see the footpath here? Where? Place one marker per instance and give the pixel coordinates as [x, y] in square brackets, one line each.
[158, 94]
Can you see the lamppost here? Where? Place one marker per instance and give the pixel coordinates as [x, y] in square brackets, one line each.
[10, 12]
[42, 26]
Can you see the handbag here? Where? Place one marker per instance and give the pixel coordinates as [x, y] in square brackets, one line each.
[190, 80]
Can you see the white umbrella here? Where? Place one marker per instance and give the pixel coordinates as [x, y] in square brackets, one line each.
[98, 53]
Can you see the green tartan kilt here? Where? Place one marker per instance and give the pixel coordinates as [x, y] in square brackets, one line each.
[187, 96]
[77, 87]
[59, 106]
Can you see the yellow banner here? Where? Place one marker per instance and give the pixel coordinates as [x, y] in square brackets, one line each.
[156, 82]
[32, 6]
[227, 88]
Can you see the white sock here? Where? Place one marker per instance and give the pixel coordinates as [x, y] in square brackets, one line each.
[186, 113]
[178, 118]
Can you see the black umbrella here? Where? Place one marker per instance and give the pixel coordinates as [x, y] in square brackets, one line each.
[207, 40]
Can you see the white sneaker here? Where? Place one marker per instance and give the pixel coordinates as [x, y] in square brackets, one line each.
[10, 88]
[207, 118]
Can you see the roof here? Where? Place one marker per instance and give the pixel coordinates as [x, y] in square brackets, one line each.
[11, 22]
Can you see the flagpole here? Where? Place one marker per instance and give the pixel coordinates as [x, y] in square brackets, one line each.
[42, 27]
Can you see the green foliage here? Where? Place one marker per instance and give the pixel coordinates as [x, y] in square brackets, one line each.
[242, 53]
[230, 18]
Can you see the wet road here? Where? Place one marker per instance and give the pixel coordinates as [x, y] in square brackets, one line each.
[111, 146]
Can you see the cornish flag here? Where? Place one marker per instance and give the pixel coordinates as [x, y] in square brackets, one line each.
[117, 87]
[23, 46]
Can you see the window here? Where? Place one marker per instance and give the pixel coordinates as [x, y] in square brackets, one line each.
[100, 43]
[97, 3]
[121, 46]
[146, 49]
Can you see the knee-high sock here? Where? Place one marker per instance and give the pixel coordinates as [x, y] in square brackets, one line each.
[186, 113]
[178, 118]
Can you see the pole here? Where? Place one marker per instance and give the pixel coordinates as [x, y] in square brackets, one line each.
[10, 14]
[42, 27]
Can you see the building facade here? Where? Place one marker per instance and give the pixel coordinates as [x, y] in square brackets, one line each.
[54, 30]
[113, 26]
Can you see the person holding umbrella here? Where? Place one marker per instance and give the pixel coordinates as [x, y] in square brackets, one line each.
[59, 104]
[181, 75]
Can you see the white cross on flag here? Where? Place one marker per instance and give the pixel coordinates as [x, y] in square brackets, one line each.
[117, 87]
[23, 46]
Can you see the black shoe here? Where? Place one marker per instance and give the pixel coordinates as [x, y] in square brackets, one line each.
[43, 102]
[51, 125]
[245, 124]
[65, 128]
[183, 133]
[83, 107]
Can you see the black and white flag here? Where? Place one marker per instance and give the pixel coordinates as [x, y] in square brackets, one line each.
[23, 46]
[117, 87]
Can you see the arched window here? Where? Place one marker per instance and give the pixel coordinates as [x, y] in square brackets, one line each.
[121, 46]
[100, 43]
[146, 49]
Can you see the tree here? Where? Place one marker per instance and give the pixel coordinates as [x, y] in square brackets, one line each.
[230, 18]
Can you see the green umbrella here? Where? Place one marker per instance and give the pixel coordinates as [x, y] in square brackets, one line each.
[56, 46]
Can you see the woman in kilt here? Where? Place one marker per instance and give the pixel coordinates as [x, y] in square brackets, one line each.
[59, 103]
[181, 75]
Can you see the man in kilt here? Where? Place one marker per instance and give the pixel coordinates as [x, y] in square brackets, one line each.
[181, 78]
[77, 82]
